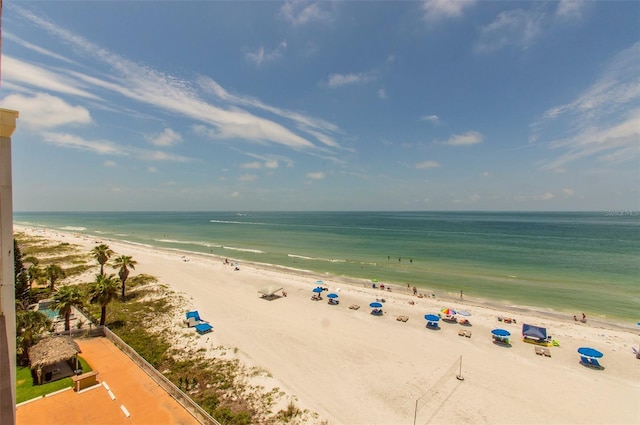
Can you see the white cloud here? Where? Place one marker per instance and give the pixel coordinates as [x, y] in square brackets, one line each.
[271, 164]
[101, 147]
[43, 111]
[382, 93]
[514, 28]
[465, 139]
[9, 36]
[434, 119]
[261, 57]
[570, 9]
[235, 194]
[568, 192]
[248, 178]
[152, 170]
[436, 10]
[110, 164]
[619, 143]
[485, 174]
[316, 176]
[19, 72]
[167, 138]
[299, 12]
[339, 80]
[604, 121]
[176, 96]
[252, 165]
[427, 164]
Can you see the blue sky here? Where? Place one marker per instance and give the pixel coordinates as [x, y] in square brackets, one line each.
[432, 105]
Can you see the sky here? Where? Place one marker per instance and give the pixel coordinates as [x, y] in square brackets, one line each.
[311, 106]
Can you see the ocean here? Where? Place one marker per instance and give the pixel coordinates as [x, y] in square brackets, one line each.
[570, 262]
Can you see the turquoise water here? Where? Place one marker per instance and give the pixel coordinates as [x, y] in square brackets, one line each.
[51, 314]
[572, 262]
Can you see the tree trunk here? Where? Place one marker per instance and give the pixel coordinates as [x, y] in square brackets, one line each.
[103, 315]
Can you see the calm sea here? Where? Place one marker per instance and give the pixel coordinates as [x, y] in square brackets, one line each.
[570, 262]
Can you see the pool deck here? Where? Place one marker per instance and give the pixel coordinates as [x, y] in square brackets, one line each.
[133, 389]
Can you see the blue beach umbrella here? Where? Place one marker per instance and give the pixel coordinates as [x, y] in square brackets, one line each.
[332, 296]
[590, 353]
[375, 305]
[317, 290]
[501, 333]
[431, 317]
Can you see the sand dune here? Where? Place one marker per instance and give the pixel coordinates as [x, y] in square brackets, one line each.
[355, 368]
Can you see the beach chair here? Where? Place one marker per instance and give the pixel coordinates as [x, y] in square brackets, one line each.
[467, 334]
[546, 352]
[539, 351]
[433, 325]
[203, 328]
[462, 332]
[354, 306]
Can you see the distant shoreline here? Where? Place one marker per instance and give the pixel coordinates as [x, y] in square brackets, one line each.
[497, 305]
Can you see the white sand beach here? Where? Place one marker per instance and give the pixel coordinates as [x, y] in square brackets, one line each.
[355, 368]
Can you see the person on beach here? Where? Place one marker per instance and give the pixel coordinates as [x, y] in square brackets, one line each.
[575, 319]
[461, 294]
[415, 291]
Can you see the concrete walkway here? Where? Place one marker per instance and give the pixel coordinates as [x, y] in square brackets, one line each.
[142, 398]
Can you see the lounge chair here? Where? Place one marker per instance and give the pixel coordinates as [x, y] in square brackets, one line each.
[462, 332]
[354, 306]
[192, 322]
[316, 298]
[546, 352]
[433, 325]
[203, 328]
[376, 312]
[539, 350]
[333, 301]
[402, 318]
[467, 334]
[464, 322]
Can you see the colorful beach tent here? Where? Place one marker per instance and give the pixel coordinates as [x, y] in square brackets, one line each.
[535, 333]
[448, 311]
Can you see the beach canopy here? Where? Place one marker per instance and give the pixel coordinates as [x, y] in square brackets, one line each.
[431, 317]
[590, 353]
[534, 332]
[317, 290]
[463, 312]
[269, 291]
[52, 350]
[448, 311]
[193, 314]
[375, 305]
[332, 295]
[501, 333]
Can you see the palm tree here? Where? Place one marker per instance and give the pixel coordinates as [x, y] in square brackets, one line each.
[102, 253]
[64, 300]
[29, 324]
[124, 262]
[103, 291]
[53, 272]
[34, 273]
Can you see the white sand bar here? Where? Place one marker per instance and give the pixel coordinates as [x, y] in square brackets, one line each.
[354, 368]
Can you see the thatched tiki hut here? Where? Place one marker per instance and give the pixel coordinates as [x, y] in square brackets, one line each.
[54, 358]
